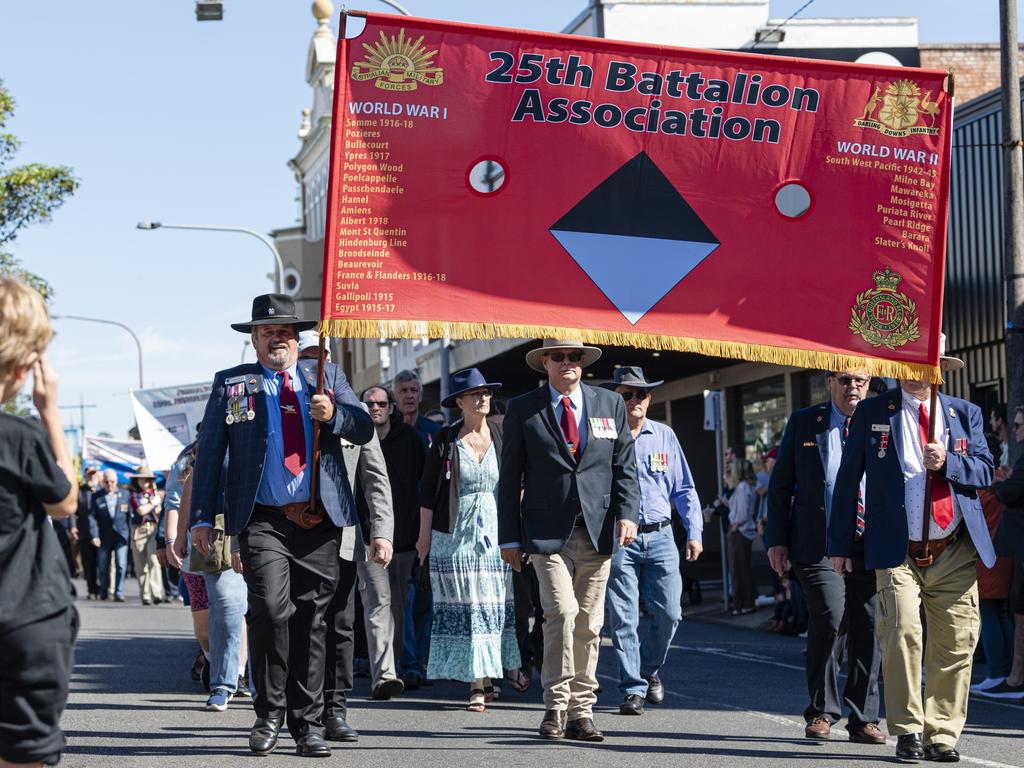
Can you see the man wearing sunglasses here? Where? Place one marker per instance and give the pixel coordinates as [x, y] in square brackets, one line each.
[650, 565]
[841, 611]
[567, 492]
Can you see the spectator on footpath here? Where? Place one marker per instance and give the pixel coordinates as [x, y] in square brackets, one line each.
[404, 454]
[924, 558]
[261, 419]
[147, 508]
[473, 632]
[567, 493]
[110, 525]
[38, 620]
[436, 415]
[416, 647]
[1010, 541]
[86, 543]
[997, 420]
[742, 505]
[648, 569]
[841, 607]
[995, 584]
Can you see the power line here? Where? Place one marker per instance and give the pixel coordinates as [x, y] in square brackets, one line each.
[777, 27]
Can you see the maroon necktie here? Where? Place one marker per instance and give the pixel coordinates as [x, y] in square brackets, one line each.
[942, 500]
[859, 532]
[569, 429]
[292, 428]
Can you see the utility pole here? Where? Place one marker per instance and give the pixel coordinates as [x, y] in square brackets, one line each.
[1013, 212]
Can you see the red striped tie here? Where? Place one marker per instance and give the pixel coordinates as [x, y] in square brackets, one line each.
[292, 429]
[570, 431]
[942, 499]
[860, 491]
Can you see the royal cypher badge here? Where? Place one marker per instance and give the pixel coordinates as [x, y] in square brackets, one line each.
[900, 111]
[398, 64]
[884, 317]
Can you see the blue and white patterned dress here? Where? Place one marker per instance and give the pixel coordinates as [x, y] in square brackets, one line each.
[474, 629]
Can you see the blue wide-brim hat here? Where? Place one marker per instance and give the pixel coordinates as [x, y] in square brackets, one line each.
[466, 381]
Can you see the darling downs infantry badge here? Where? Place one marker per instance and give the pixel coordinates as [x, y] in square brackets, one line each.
[397, 64]
[884, 317]
[899, 110]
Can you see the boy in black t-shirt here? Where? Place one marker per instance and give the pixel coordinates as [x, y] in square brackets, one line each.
[38, 621]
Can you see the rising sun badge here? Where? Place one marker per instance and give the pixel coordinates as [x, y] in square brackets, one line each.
[884, 317]
[397, 64]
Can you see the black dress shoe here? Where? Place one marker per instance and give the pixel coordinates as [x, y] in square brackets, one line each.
[336, 729]
[908, 747]
[655, 689]
[312, 745]
[941, 753]
[583, 729]
[387, 688]
[553, 724]
[633, 705]
[263, 736]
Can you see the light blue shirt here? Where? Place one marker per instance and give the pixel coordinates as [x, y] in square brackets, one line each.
[836, 424]
[279, 486]
[576, 399]
[668, 483]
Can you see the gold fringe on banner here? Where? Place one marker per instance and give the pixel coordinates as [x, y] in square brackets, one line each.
[758, 353]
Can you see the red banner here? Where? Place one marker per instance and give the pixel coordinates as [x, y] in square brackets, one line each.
[491, 182]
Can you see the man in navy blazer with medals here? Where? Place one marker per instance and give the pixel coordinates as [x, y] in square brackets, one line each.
[841, 610]
[261, 415]
[922, 558]
[567, 491]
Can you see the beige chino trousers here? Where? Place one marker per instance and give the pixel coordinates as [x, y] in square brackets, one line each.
[572, 589]
[948, 592]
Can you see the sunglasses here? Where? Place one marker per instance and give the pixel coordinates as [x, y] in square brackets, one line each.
[856, 381]
[572, 357]
[630, 394]
[376, 403]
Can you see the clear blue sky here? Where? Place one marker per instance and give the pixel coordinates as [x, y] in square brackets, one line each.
[165, 118]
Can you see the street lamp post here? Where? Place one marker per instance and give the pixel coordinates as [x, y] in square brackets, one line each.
[138, 344]
[278, 263]
[397, 7]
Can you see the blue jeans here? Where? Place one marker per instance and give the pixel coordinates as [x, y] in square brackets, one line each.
[419, 613]
[649, 567]
[228, 599]
[120, 568]
[997, 636]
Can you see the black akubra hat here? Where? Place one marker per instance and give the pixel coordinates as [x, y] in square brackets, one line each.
[630, 376]
[274, 309]
[467, 381]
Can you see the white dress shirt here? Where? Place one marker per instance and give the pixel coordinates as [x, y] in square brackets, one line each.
[914, 473]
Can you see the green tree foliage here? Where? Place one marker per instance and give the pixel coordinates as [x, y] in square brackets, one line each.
[29, 194]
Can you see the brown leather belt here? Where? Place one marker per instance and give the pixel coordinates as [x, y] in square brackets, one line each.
[299, 513]
[926, 554]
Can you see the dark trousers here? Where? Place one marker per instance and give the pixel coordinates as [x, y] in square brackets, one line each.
[89, 572]
[841, 616]
[527, 601]
[740, 570]
[340, 620]
[291, 574]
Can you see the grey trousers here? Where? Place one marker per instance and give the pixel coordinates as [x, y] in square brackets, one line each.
[375, 593]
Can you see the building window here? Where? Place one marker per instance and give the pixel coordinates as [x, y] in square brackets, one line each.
[765, 413]
[316, 206]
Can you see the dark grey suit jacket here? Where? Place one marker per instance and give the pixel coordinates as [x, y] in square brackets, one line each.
[1009, 538]
[536, 461]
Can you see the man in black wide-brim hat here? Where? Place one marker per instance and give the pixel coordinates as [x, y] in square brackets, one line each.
[260, 416]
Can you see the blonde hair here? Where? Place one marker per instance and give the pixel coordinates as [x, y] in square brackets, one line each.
[24, 323]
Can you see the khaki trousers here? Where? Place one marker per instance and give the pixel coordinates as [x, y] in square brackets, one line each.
[147, 567]
[572, 587]
[948, 592]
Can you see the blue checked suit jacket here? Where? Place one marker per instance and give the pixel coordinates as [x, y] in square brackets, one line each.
[245, 445]
[885, 518]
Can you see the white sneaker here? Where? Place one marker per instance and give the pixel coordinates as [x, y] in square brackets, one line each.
[763, 601]
[987, 683]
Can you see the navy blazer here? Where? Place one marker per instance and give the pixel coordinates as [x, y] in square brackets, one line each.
[111, 528]
[1009, 538]
[796, 490]
[885, 519]
[245, 444]
[536, 461]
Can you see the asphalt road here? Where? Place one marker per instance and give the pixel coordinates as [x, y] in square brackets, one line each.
[734, 698]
